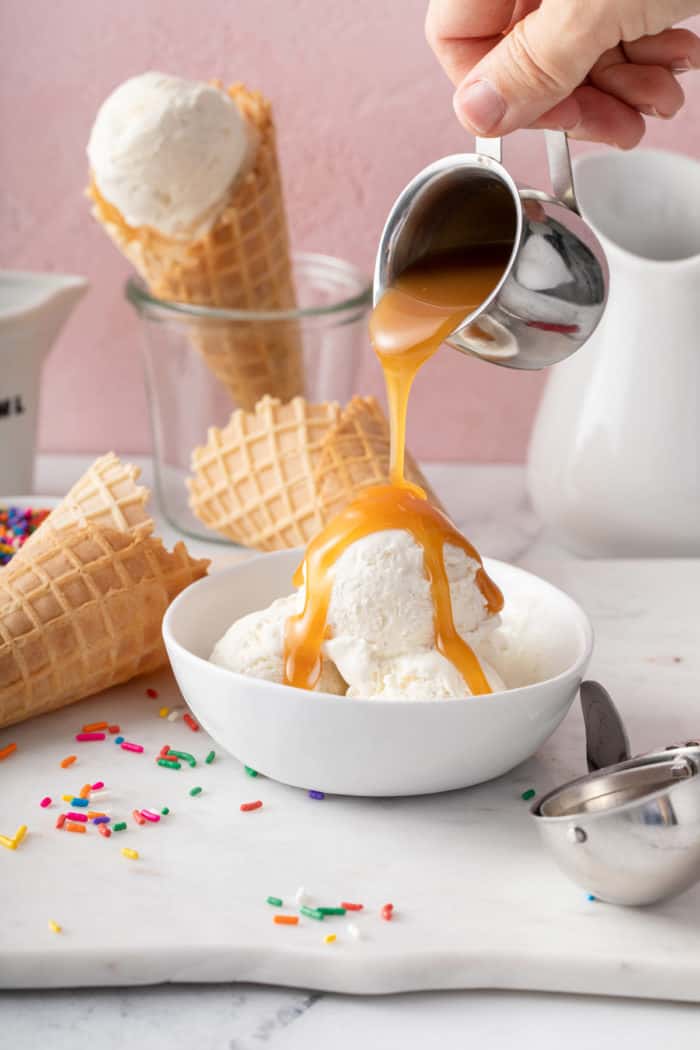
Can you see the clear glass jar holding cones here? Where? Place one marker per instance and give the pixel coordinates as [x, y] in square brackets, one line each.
[201, 364]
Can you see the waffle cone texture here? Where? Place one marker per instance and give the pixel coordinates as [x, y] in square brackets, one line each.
[242, 263]
[271, 478]
[81, 604]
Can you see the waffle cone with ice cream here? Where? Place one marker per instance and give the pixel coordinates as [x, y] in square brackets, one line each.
[81, 604]
[272, 478]
[232, 253]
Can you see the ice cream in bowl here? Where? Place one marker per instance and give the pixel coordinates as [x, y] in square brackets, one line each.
[413, 736]
[402, 662]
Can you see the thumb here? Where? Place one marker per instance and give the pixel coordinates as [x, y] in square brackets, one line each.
[539, 62]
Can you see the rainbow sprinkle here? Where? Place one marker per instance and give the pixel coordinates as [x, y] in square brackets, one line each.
[7, 751]
[54, 926]
[46, 801]
[130, 854]
[16, 526]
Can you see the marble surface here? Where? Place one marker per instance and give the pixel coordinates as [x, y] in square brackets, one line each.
[642, 654]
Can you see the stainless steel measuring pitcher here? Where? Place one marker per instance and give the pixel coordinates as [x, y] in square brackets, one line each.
[553, 291]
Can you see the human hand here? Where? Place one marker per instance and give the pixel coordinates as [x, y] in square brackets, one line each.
[590, 68]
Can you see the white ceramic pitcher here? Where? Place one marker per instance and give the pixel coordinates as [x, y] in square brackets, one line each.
[33, 309]
[614, 459]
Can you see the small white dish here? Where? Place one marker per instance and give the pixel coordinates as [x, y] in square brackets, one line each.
[376, 747]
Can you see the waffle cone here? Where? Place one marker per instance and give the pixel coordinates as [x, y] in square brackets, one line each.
[356, 453]
[272, 478]
[242, 263]
[254, 480]
[81, 604]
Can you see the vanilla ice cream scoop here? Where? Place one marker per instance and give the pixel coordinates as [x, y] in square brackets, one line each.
[164, 151]
[254, 645]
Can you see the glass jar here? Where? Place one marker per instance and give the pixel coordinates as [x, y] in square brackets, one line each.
[201, 364]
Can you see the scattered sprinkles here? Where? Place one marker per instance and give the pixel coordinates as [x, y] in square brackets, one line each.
[330, 938]
[104, 830]
[331, 911]
[527, 795]
[276, 902]
[68, 761]
[150, 815]
[121, 826]
[7, 751]
[164, 811]
[94, 727]
[79, 801]
[54, 926]
[351, 907]
[84, 737]
[85, 791]
[387, 912]
[60, 820]
[153, 693]
[248, 807]
[189, 720]
[174, 715]
[119, 740]
[210, 757]
[164, 711]
[128, 746]
[184, 755]
[251, 772]
[98, 785]
[80, 817]
[130, 854]
[46, 801]
[114, 729]
[317, 794]
[354, 931]
[137, 817]
[591, 897]
[286, 920]
[72, 826]
[101, 819]
[198, 791]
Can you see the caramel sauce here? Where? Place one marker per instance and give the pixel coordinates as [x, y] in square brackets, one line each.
[407, 326]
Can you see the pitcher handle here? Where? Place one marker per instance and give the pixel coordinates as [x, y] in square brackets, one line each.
[558, 159]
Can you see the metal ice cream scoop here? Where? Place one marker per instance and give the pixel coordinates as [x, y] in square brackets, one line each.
[629, 833]
[553, 291]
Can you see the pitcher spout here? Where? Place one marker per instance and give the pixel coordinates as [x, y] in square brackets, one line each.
[35, 306]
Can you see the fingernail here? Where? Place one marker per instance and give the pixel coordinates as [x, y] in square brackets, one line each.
[480, 105]
[649, 111]
[681, 65]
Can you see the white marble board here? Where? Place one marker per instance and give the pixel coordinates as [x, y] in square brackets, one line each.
[478, 905]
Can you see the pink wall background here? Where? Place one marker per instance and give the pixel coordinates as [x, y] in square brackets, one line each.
[361, 106]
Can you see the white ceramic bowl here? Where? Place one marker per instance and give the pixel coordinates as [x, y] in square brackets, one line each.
[375, 747]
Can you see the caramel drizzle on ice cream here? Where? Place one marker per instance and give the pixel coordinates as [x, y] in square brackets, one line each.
[408, 324]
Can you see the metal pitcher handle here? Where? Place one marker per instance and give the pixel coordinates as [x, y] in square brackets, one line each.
[558, 158]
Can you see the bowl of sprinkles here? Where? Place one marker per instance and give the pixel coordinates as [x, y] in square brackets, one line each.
[18, 520]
